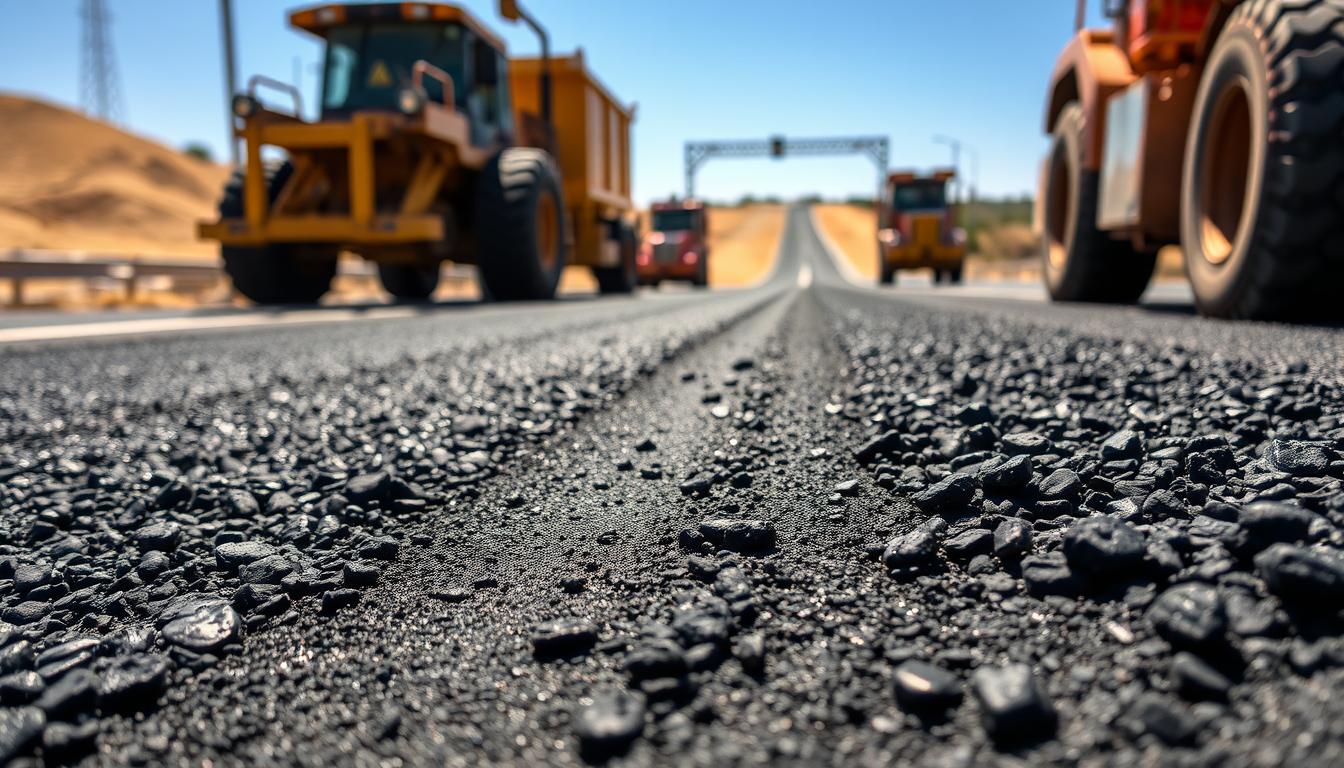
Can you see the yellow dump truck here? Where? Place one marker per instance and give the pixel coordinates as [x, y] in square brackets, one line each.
[432, 145]
[916, 228]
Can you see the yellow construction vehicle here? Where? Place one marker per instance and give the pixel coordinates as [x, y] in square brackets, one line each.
[1215, 125]
[916, 229]
[431, 145]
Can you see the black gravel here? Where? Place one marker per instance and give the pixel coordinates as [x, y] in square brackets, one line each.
[784, 526]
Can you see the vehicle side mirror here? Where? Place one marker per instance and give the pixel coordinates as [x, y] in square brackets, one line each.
[486, 64]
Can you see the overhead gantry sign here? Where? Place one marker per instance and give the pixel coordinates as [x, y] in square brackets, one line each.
[876, 148]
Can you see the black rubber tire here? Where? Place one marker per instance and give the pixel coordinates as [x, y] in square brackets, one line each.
[1089, 264]
[622, 278]
[512, 193]
[276, 273]
[409, 282]
[702, 273]
[1286, 255]
[885, 274]
[956, 276]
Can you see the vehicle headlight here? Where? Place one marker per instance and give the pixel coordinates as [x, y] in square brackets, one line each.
[958, 236]
[410, 101]
[244, 105]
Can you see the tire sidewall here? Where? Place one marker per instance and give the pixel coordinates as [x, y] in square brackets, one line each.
[1065, 149]
[410, 282]
[1217, 287]
[548, 186]
[629, 256]
[507, 221]
[274, 273]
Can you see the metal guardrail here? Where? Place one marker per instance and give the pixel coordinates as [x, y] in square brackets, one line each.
[20, 264]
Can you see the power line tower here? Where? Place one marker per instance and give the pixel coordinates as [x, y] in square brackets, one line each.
[99, 91]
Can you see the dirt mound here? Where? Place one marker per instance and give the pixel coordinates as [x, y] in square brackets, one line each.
[69, 182]
[743, 243]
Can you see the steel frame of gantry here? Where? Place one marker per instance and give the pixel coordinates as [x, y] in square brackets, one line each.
[876, 148]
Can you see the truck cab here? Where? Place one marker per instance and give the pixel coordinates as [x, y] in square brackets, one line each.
[676, 247]
[371, 55]
[917, 228]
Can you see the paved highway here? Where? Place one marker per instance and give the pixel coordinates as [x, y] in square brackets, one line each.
[806, 523]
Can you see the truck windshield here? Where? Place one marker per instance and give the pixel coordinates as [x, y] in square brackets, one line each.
[674, 221]
[368, 65]
[919, 197]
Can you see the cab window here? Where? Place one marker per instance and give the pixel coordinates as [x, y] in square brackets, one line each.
[368, 65]
[487, 106]
[919, 197]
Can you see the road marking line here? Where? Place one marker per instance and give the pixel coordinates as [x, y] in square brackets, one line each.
[168, 325]
[805, 276]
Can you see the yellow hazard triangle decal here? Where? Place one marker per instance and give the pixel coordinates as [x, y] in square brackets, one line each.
[379, 77]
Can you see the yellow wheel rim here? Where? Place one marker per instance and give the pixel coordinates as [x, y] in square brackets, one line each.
[1224, 170]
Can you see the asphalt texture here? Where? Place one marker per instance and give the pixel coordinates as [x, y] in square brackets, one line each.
[806, 523]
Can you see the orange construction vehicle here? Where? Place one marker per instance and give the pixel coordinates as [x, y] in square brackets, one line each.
[917, 228]
[1217, 125]
[431, 145]
[677, 244]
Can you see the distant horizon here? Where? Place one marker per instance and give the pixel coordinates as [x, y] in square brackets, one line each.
[753, 71]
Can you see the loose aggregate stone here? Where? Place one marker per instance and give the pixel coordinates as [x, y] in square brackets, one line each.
[1170, 515]
[781, 526]
[162, 528]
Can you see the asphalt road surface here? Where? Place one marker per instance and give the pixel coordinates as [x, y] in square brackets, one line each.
[806, 523]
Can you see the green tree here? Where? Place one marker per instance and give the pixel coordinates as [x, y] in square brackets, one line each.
[199, 151]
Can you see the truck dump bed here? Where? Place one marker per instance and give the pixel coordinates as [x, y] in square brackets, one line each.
[592, 145]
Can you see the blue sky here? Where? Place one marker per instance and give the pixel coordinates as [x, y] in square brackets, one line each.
[699, 69]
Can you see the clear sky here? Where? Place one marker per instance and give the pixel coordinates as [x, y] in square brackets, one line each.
[699, 69]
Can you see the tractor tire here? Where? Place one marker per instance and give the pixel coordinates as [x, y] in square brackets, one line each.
[521, 241]
[1262, 218]
[276, 273]
[1079, 261]
[409, 282]
[956, 276]
[624, 277]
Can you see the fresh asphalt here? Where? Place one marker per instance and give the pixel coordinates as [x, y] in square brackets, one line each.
[810, 522]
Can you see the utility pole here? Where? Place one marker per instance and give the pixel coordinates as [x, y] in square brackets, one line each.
[959, 191]
[230, 73]
[956, 145]
[974, 182]
[99, 91]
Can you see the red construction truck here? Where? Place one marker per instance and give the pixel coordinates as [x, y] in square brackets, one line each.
[676, 247]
